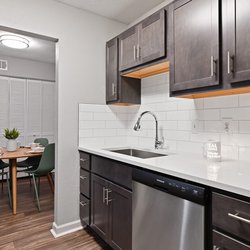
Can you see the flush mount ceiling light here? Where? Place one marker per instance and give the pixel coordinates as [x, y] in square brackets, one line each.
[15, 42]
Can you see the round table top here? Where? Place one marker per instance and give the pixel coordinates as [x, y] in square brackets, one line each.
[19, 153]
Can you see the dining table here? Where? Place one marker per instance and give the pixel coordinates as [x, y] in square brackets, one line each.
[12, 157]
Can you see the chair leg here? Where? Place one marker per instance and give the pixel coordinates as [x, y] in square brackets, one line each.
[2, 178]
[38, 185]
[9, 193]
[51, 183]
[29, 177]
[36, 192]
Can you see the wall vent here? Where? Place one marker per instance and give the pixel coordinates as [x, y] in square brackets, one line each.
[3, 65]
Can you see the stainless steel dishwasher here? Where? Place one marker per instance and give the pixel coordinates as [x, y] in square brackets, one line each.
[168, 214]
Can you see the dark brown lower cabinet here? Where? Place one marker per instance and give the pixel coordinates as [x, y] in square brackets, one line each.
[112, 213]
[84, 210]
[223, 242]
[99, 209]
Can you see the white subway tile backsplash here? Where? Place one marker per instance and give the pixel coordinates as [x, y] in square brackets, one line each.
[244, 126]
[211, 114]
[91, 124]
[104, 132]
[85, 116]
[221, 102]
[186, 124]
[244, 100]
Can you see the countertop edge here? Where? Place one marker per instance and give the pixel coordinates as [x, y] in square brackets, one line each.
[129, 160]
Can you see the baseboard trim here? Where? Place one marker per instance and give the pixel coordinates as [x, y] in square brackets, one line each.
[58, 231]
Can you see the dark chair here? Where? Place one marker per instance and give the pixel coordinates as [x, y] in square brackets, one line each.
[3, 166]
[33, 161]
[46, 165]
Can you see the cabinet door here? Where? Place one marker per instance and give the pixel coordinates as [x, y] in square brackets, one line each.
[120, 217]
[128, 48]
[194, 40]
[112, 70]
[99, 209]
[223, 242]
[236, 37]
[152, 37]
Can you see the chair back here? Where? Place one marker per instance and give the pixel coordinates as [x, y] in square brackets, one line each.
[42, 141]
[47, 162]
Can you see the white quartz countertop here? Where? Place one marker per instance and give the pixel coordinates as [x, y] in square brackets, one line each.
[229, 175]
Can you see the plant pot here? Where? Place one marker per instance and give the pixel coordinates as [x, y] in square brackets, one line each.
[11, 145]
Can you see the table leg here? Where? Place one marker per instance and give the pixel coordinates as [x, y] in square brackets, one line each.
[14, 190]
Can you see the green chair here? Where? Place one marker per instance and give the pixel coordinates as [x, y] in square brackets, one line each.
[33, 161]
[46, 165]
[3, 166]
[42, 141]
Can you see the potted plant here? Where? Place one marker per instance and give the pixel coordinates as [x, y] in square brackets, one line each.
[11, 135]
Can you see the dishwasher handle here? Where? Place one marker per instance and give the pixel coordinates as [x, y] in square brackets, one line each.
[171, 185]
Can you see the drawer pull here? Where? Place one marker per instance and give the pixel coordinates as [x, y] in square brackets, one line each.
[237, 217]
[83, 204]
[216, 248]
[83, 160]
[83, 177]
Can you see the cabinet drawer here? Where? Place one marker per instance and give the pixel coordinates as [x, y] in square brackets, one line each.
[84, 160]
[231, 215]
[84, 210]
[112, 170]
[84, 182]
[221, 241]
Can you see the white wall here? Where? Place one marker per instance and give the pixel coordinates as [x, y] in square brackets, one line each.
[81, 76]
[28, 69]
[113, 126]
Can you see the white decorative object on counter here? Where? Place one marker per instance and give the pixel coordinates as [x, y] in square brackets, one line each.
[212, 150]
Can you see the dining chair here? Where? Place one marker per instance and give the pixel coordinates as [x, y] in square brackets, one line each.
[46, 165]
[32, 161]
[3, 173]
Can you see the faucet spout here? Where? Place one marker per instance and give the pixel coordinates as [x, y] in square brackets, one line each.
[138, 126]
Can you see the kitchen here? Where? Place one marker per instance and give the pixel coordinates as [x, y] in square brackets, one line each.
[185, 124]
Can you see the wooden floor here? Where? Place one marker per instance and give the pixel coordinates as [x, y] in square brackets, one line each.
[30, 229]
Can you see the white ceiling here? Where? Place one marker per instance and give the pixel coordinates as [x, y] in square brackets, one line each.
[125, 11]
[39, 49]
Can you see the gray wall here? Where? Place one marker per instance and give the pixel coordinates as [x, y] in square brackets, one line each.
[28, 69]
[81, 79]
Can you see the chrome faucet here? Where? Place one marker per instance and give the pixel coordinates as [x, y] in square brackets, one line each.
[137, 127]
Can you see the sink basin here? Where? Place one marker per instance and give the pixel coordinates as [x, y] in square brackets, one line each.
[137, 153]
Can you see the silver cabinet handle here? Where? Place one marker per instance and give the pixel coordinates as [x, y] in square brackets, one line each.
[228, 63]
[83, 204]
[135, 53]
[138, 52]
[83, 177]
[83, 160]
[237, 217]
[107, 198]
[216, 248]
[213, 71]
[104, 194]
[113, 89]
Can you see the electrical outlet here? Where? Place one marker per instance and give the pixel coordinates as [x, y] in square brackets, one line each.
[227, 124]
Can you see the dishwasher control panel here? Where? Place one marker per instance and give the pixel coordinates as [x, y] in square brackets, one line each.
[170, 185]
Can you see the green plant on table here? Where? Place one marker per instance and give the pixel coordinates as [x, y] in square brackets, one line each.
[11, 134]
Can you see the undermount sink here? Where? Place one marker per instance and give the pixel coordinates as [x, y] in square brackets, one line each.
[137, 153]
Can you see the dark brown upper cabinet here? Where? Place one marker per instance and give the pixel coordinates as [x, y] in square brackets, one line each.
[194, 44]
[144, 42]
[236, 45]
[128, 48]
[119, 90]
[112, 75]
